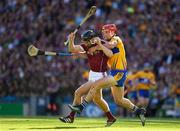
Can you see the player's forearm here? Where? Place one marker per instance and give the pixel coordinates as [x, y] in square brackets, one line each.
[106, 51]
[72, 47]
[110, 45]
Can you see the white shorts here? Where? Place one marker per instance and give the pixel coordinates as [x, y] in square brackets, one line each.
[93, 76]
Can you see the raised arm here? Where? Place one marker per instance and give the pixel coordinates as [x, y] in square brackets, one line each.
[73, 48]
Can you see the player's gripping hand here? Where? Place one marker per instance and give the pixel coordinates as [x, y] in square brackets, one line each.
[98, 41]
[95, 40]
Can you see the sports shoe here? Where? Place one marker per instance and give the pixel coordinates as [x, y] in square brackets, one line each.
[67, 119]
[110, 122]
[140, 112]
[77, 108]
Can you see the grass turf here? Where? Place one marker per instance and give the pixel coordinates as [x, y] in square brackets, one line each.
[83, 124]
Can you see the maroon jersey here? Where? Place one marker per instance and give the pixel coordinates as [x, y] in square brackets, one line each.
[97, 61]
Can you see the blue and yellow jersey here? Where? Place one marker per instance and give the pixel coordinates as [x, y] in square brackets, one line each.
[130, 82]
[144, 80]
[118, 60]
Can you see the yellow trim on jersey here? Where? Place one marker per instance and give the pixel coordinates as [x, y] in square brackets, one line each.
[118, 60]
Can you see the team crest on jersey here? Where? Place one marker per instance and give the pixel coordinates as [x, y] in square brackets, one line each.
[118, 76]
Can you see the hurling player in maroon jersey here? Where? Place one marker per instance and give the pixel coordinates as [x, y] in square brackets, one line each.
[98, 66]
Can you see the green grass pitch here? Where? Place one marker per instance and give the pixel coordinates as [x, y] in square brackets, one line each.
[86, 124]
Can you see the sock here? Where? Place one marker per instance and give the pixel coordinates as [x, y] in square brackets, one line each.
[134, 108]
[84, 104]
[72, 114]
[109, 115]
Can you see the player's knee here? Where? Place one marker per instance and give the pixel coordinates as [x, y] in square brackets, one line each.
[94, 87]
[92, 91]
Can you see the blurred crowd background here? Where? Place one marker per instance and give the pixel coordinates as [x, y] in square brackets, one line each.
[148, 28]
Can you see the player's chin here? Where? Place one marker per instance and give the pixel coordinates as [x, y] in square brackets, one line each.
[106, 38]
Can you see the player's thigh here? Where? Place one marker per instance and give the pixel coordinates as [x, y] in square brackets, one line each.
[83, 89]
[104, 83]
[117, 92]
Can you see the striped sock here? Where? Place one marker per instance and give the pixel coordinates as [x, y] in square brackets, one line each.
[84, 104]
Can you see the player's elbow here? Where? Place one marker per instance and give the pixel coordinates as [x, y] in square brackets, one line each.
[72, 50]
[109, 54]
